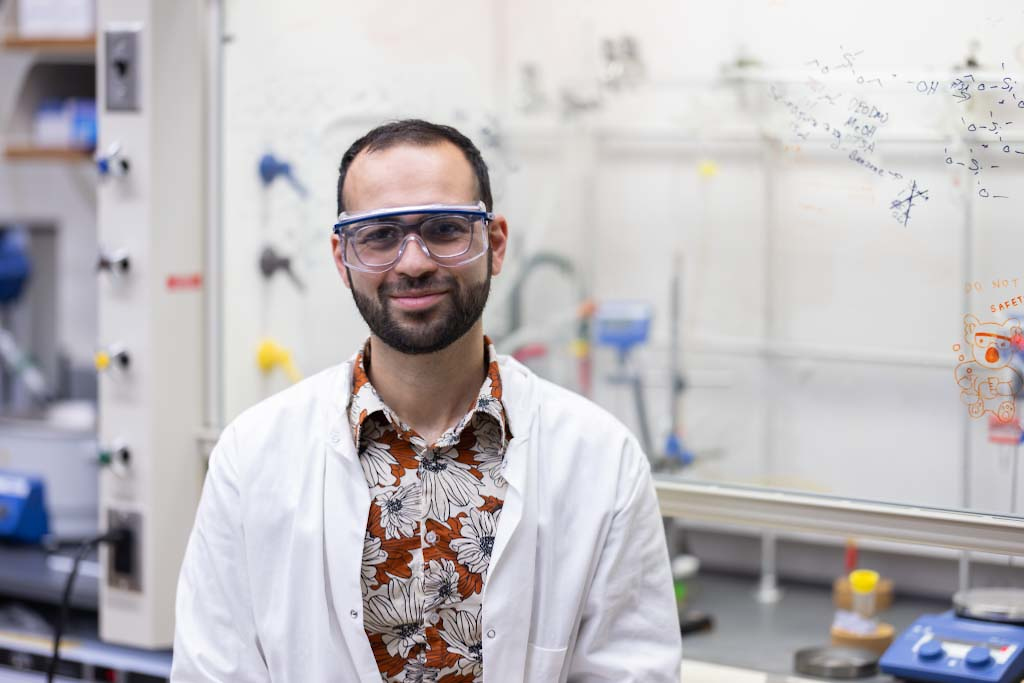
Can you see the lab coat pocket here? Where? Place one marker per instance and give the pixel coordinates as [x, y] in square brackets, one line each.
[544, 664]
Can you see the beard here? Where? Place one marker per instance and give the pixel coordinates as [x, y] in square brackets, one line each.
[451, 319]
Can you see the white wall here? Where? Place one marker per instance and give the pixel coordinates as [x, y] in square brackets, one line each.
[781, 247]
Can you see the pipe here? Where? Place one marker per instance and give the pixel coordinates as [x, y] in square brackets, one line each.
[214, 405]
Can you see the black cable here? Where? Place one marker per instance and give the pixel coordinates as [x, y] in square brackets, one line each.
[65, 605]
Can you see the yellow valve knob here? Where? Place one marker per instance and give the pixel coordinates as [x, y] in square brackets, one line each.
[102, 360]
[270, 355]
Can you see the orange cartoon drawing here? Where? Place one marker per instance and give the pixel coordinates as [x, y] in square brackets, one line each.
[988, 384]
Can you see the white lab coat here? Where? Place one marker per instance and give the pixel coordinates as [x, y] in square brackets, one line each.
[579, 587]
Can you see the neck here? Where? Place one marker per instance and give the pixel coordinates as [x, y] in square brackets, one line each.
[432, 391]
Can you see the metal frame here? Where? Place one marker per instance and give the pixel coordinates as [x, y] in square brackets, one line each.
[782, 511]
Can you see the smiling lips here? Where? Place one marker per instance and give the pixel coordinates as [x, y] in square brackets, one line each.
[416, 301]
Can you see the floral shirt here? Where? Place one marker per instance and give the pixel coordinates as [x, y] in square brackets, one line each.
[430, 531]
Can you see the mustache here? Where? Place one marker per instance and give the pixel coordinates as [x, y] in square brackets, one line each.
[409, 285]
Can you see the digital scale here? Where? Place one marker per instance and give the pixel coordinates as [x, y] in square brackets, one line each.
[982, 639]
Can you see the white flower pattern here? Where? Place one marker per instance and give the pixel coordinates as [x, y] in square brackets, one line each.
[372, 556]
[462, 633]
[474, 548]
[490, 450]
[423, 617]
[377, 460]
[399, 510]
[418, 672]
[447, 483]
[441, 584]
[399, 616]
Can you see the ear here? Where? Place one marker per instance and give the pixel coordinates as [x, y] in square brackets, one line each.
[497, 236]
[970, 323]
[339, 263]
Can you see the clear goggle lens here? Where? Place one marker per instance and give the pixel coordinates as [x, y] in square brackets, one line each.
[449, 239]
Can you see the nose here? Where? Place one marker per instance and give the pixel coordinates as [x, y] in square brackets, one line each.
[415, 259]
[991, 355]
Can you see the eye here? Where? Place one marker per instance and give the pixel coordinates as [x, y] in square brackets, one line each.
[446, 229]
[376, 236]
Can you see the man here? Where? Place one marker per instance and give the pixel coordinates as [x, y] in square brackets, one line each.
[429, 510]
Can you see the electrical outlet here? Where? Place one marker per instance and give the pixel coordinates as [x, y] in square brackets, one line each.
[122, 70]
[124, 559]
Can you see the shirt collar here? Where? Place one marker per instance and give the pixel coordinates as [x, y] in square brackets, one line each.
[364, 401]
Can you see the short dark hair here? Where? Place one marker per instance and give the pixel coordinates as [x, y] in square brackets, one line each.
[420, 133]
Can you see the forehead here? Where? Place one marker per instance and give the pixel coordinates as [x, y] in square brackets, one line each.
[407, 175]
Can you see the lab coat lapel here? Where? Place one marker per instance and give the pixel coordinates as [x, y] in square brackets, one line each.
[508, 604]
[346, 506]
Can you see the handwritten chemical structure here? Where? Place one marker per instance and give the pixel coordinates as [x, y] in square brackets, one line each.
[902, 205]
[963, 86]
[987, 135]
[849, 59]
[852, 118]
[850, 123]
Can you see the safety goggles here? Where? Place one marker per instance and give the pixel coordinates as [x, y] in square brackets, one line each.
[451, 235]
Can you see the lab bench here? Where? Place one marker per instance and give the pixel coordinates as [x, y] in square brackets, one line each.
[764, 637]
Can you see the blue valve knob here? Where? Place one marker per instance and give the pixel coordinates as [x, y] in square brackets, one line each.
[271, 168]
[978, 657]
[112, 161]
[931, 651]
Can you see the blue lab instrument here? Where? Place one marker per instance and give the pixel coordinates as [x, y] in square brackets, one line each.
[22, 508]
[952, 648]
[622, 324]
[15, 264]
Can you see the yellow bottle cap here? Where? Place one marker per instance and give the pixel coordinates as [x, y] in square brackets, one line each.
[102, 360]
[863, 580]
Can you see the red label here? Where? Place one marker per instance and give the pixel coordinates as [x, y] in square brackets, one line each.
[193, 281]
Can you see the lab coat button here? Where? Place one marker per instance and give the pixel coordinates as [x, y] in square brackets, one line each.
[491, 634]
[335, 437]
[354, 614]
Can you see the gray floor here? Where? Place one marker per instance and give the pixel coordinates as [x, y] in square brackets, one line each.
[765, 637]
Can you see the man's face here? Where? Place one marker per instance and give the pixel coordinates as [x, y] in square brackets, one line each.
[418, 306]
